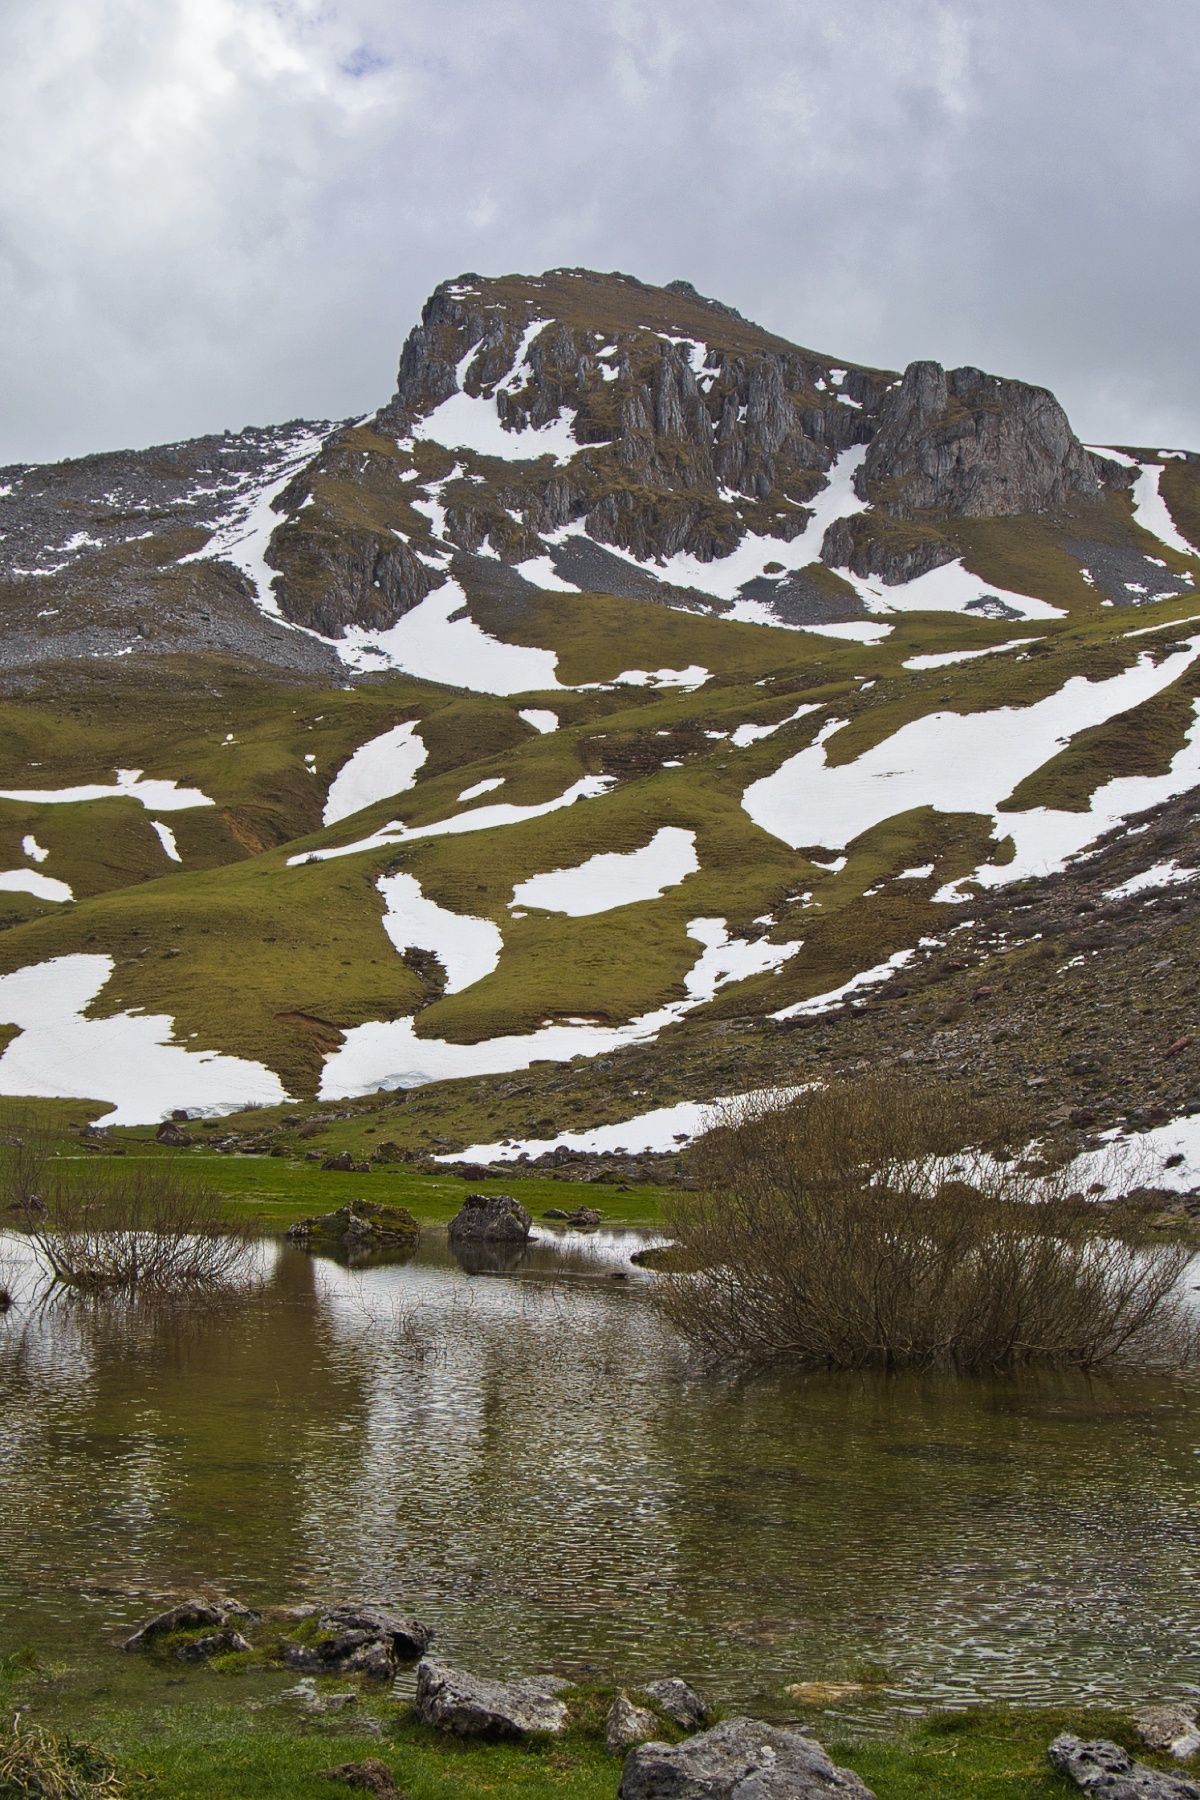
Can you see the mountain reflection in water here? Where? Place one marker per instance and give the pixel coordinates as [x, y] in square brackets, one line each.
[528, 1460]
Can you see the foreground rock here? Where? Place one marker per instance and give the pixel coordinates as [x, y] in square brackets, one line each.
[680, 1702]
[472, 1706]
[740, 1759]
[189, 1615]
[372, 1775]
[1170, 1729]
[627, 1725]
[362, 1225]
[490, 1218]
[366, 1640]
[1104, 1769]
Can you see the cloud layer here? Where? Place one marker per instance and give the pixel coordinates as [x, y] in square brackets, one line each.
[222, 212]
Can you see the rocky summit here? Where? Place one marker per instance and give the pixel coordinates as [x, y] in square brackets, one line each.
[636, 709]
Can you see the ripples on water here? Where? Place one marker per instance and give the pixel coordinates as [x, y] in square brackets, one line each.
[525, 1457]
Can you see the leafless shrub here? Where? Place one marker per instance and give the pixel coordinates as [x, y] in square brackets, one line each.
[847, 1229]
[141, 1227]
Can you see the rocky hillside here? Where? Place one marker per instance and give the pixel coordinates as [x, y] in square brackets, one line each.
[633, 684]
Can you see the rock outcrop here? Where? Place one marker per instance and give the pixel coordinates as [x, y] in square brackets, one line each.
[473, 1706]
[963, 444]
[680, 1701]
[363, 1640]
[1101, 1768]
[627, 1725]
[739, 1757]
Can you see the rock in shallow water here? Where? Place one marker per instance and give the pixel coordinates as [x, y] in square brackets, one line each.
[490, 1218]
[216, 1643]
[739, 1759]
[1104, 1769]
[189, 1615]
[472, 1706]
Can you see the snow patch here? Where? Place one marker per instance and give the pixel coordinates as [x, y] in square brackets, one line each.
[744, 735]
[951, 588]
[615, 878]
[389, 1054]
[28, 881]
[157, 796]
[482, 787]
[383, 766]
[467, 948]
[660, 1131]
[479, 818]
[166, 838]
[1150, 511]
[472, 422]
[435, 645]
[32, 848]
[540, 718]
[243, 539]
[867, 978]
[943, 659]
[1165, 874]
[126, 1060]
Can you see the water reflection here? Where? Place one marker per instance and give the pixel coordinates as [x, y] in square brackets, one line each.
[528, 1459]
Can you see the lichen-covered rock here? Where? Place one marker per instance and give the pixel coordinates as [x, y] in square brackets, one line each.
[1103, 1769]
[740, 1759]
[490, 1218]
[679, 1701]
[472, 1706]
[627, 1725]
[1169, 1728]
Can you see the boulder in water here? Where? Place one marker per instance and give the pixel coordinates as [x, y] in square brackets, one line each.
[490, 1218]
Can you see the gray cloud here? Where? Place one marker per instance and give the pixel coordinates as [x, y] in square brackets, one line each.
[219, 212]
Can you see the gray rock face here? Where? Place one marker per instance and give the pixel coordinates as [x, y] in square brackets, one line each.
[971, 445]
[472, 1706]
[740, 1759]
[680, 1702]
[1103, 1769]
[490, 1218]
[627, 1725]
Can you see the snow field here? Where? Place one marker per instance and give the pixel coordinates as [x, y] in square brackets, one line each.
[243, 541]
[1166, 874]
[541, 719]
[970, 763]
[943, 659]
[615, 878]
[952, 588]
[384, 766]
[31, 848]
[866, 978]
[389, 1054]
[166, 838]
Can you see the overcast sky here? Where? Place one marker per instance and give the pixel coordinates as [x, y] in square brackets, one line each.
[225, 212]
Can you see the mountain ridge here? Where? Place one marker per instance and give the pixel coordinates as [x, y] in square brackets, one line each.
[613, 575]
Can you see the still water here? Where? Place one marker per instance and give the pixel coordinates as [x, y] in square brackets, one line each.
[526, 1458]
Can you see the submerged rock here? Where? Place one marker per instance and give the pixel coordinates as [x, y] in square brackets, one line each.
[1102, 1768]
[490, 1218]
[679, 1701]
[627, 1725]
[736, 1759]
[217, 1643]
[309, 1700]
[472, 1706]
[1169, 1728]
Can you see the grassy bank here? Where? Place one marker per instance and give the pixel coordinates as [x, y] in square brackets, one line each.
[207, 1734]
